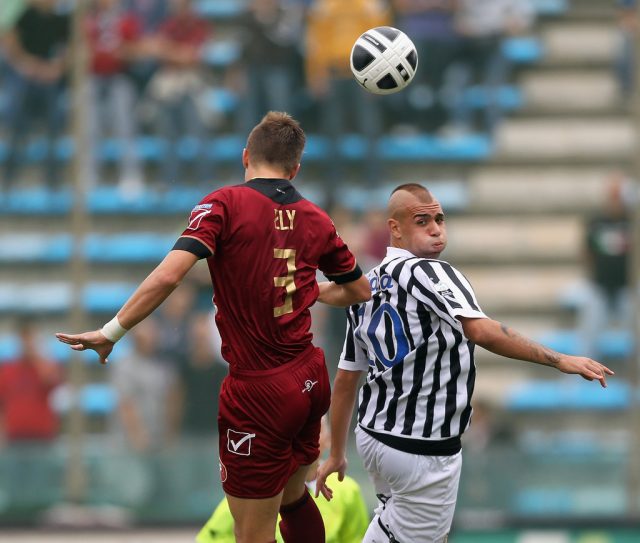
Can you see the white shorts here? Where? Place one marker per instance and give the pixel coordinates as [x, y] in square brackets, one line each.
[417, 494]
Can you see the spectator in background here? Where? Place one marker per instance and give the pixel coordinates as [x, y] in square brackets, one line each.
[26, 385]
[35, 51]
[332, 28]
[431, 25]
[607, 254]
[150, 13]
[483, 26]
[143, 385]
[113, 34]
[272, 32]
[628, 23]
[178, 86]
[200, 379]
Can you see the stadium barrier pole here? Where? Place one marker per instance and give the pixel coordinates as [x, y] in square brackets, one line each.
[76, 480]
[634, 373]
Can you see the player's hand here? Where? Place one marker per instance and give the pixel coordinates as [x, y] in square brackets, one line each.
[585, 367]
[331, 465]
[89, 340]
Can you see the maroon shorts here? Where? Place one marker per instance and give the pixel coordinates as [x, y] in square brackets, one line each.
[269, 424]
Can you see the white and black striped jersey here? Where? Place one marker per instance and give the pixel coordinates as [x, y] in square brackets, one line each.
[420, 365]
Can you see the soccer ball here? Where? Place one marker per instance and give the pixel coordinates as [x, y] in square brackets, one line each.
[384, 60]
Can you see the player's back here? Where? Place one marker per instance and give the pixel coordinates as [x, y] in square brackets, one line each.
[267, 243]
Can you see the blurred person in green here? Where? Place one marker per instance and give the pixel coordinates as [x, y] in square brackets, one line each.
[345, 516]
[10, 10]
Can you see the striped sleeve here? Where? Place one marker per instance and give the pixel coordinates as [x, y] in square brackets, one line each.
[353, 357]
[446, 290]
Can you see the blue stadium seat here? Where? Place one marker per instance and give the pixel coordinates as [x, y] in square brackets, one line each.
[452, 194]
[610, 344]
[509, 98]
[220, 9]
[95, 399]
[36, 201]
[25, 248]
[221, 100]
[9, 347]
[52, 297]
[568, 394]
[469, 147]
[128, 247]
[106, 297]
[226, 148]
[98, 399]
[551, 7]
[220, 54]
[523, 49]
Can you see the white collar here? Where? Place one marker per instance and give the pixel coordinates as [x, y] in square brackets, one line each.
[397, 252]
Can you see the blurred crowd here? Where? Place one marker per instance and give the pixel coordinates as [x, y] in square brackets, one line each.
[162, 68]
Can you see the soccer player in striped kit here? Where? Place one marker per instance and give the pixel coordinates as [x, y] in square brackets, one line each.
[415, 340]
[263, 243]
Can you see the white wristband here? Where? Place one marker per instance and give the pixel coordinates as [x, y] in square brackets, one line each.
[113, 330]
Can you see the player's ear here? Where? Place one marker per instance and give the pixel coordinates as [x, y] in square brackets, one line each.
[394, 228]
[295, 172]
[245, 158]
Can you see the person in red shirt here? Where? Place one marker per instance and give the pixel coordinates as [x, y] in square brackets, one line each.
[263, 243]
[177, 87]
[25, 388]
[113, 37]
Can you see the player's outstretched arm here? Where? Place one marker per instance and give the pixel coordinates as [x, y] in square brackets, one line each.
[345, 294]
[500, 339]
[148, 296]
[343, 398]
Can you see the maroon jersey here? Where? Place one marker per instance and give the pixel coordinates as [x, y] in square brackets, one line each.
[264, 242]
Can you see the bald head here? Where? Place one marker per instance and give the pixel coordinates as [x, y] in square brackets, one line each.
[416, 221]
[404, 197]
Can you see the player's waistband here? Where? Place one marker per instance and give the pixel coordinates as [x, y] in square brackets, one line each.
[424, 447]
[292, 365]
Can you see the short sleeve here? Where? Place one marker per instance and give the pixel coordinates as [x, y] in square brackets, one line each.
[206, 223]
[353, 357]
[336, 258]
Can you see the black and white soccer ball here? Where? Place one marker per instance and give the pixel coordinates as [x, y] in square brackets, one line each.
[384, 60]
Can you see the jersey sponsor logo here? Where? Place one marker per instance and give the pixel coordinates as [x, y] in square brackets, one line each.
[383, 283]
[197, 214]
[223, 471]
[308, 385]
[239, 442]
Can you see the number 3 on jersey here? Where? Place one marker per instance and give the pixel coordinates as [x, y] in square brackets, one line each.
[285, 281]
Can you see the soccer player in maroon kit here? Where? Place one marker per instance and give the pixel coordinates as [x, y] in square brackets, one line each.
[263, 243]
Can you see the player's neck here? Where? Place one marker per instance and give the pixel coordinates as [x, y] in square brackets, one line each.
[264, 172]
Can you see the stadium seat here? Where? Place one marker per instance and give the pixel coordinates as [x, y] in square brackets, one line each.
[522, 49]
[9, 347]
[28, 248]
[568, 394]
[550, 7]
[128, 247]
[611, 343]
[220, 54]
[452, 194]
[220, 9]
[96, 399]
[509, 98]
[106, 297]
[468, 147]
[36, 201]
